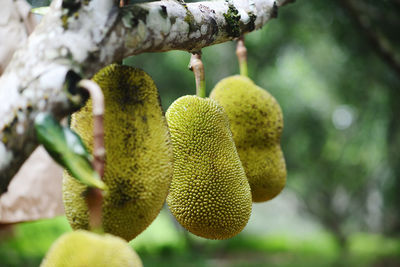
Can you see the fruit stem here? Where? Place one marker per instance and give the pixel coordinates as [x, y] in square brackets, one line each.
[98, 128]
[241, 53]
[94, 201]
[123, 3]
[196, 65]
[94, 197]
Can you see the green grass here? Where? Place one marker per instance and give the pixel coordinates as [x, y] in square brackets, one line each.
[163, 244]
[30, 241]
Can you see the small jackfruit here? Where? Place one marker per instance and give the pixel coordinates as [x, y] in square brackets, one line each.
[256, 122]
[86, 249]
[209, 193]
[138, 168]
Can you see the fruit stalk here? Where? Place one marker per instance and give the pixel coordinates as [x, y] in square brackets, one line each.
[94, 197]
[196, 65]
[241, 53]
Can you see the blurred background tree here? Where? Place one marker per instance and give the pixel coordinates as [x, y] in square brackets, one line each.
[334, 66]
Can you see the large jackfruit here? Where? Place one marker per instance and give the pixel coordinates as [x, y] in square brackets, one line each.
[209, 193]
[86, 249]
[256, 122]
[138, 168]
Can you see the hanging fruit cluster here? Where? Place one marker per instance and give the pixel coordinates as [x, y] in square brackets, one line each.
[209, 158]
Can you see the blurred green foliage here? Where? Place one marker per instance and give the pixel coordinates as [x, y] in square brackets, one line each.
[28, 242]
[162, 245]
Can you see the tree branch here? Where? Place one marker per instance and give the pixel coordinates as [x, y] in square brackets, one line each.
[381, 47]
[77, 38]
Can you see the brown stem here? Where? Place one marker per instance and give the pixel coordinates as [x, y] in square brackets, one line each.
[94, 200]
[98, 128]
[241, 53]
[94, 197]
[196, 65]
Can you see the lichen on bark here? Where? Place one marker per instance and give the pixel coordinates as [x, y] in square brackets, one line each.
[232, 18]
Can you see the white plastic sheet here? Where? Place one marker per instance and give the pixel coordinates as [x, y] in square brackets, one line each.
[35, 191]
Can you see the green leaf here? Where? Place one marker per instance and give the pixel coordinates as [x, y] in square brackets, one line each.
[67, 149]
[40, 10]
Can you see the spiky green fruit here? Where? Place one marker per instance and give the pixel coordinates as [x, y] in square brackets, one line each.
[209, 193]
[86, 249]
[139, 159]
[256, 122]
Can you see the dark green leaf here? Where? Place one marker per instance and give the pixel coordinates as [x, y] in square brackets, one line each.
[67, 149]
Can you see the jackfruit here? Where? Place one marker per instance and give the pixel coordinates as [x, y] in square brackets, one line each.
[256, 122]
[139, 160]
[209, 193]
[86, 249]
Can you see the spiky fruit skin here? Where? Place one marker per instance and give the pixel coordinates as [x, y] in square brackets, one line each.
[139, 159]
[209, 193]
[86, 249]
[256, 122]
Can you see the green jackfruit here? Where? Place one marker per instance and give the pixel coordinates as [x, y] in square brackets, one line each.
[139, 159]
[256, 122]
[209, 193]
[86, 249]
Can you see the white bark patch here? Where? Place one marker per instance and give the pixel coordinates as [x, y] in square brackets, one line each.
[156, 20]
[244, 17]
[54, 77]
[9, 98]
[20, 128]
[263, 17]
[78, 45]
[179, 30]
[100, 8]
[195, 34]
[139, 36]
[41, 105]
[203, 29]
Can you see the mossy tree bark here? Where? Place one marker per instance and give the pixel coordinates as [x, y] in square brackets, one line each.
[78, 37]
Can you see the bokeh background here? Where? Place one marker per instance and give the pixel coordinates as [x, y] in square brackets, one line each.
[334, 67]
